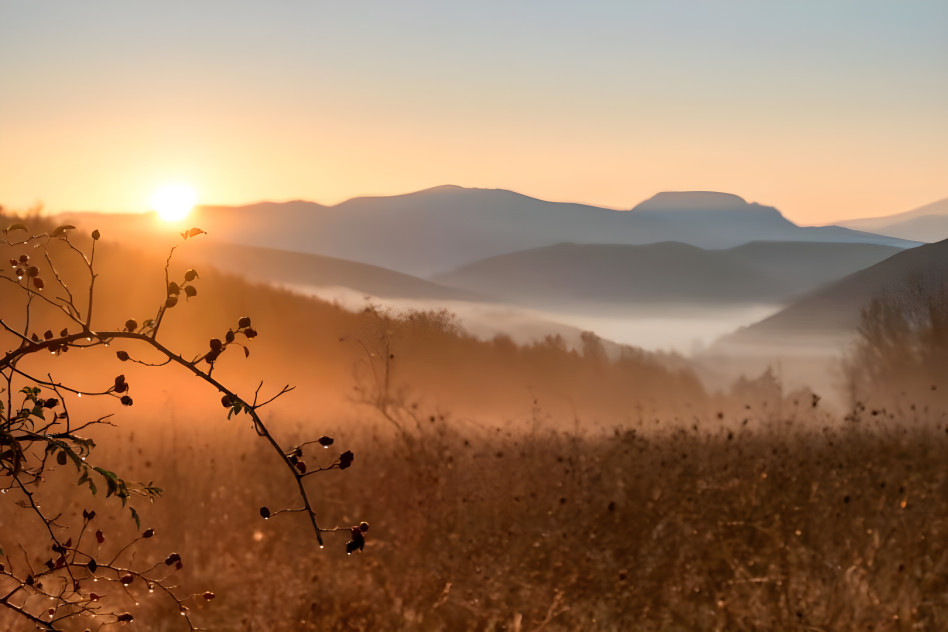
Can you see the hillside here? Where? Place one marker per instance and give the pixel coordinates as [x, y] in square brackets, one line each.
[833, 312]
[296, 269]
[590, 276]
[796, 268]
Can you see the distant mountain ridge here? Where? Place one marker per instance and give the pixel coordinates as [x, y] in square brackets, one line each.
[598, 275]
[928, 223]
[694, 201]
[833, 312]
[439, 229]
[699, 203]
[301, 270]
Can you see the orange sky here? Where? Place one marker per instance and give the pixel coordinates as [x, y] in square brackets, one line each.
[827, 112]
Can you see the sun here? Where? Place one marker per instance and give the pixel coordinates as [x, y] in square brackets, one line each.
[174, 201]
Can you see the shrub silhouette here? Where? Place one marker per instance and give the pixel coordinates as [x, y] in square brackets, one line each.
[86, 571]
[901, 352]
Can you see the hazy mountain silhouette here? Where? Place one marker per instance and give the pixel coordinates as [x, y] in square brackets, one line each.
[274, 266]
[284, 268]
[439, 229]
[597, 274]
[796, 268]
[833, 312]
[927, 223]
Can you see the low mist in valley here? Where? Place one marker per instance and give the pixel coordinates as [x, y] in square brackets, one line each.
[654, 327]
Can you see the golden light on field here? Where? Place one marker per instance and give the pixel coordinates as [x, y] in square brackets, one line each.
[174, 201]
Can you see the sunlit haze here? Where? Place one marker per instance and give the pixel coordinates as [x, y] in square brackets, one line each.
[826, 110]
[174, 201]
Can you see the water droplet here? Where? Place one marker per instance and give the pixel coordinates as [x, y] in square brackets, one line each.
[78, 394]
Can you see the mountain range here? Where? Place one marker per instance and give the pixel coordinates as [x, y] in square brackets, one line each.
[436, 230]
[832, 314]
[596, 276]
[451, 243]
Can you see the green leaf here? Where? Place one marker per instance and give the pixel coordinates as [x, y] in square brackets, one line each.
[138, 522]
[85, 479]
[107, 474]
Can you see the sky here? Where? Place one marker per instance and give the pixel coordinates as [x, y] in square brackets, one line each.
[826, 109]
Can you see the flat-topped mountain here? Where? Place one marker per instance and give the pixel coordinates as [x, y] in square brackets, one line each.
[694, 201]
[700, 205]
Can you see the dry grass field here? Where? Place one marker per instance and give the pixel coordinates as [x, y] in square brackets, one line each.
[814, 524]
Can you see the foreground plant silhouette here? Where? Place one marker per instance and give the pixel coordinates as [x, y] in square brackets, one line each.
[43, 313]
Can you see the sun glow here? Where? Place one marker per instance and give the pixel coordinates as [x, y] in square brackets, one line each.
[174, 201]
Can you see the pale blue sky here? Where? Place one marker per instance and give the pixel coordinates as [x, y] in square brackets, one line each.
[825, 109]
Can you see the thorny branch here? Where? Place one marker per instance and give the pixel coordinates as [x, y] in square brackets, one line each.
[40, 427]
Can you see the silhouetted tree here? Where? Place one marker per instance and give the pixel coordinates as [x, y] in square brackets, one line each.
[902, 346]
